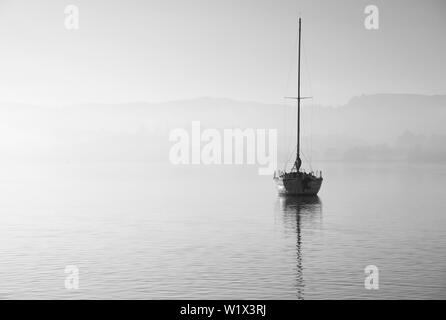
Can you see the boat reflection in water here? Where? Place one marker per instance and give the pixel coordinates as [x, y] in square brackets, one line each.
[300, 214]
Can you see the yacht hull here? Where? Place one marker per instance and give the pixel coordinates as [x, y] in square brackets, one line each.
[302, 184]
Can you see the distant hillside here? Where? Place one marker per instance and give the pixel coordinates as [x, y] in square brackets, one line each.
[369, 127]
[383, 116]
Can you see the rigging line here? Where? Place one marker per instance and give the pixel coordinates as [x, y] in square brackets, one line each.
[309, 163]
[291, 64]
[287, 140]
[291, 143]
[289, 157]
[312, 102]
[293, 152]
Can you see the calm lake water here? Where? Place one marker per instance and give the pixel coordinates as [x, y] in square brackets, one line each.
[157, 232]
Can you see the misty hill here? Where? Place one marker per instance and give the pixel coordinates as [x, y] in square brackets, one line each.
[369, 127]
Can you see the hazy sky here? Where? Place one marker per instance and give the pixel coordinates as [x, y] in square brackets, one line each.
[245, 49]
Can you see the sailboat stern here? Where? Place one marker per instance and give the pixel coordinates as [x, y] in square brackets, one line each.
[298, 183]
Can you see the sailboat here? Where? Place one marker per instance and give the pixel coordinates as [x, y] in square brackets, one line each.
[297, 182]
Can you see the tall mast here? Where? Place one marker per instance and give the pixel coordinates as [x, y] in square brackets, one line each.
[298, 160]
